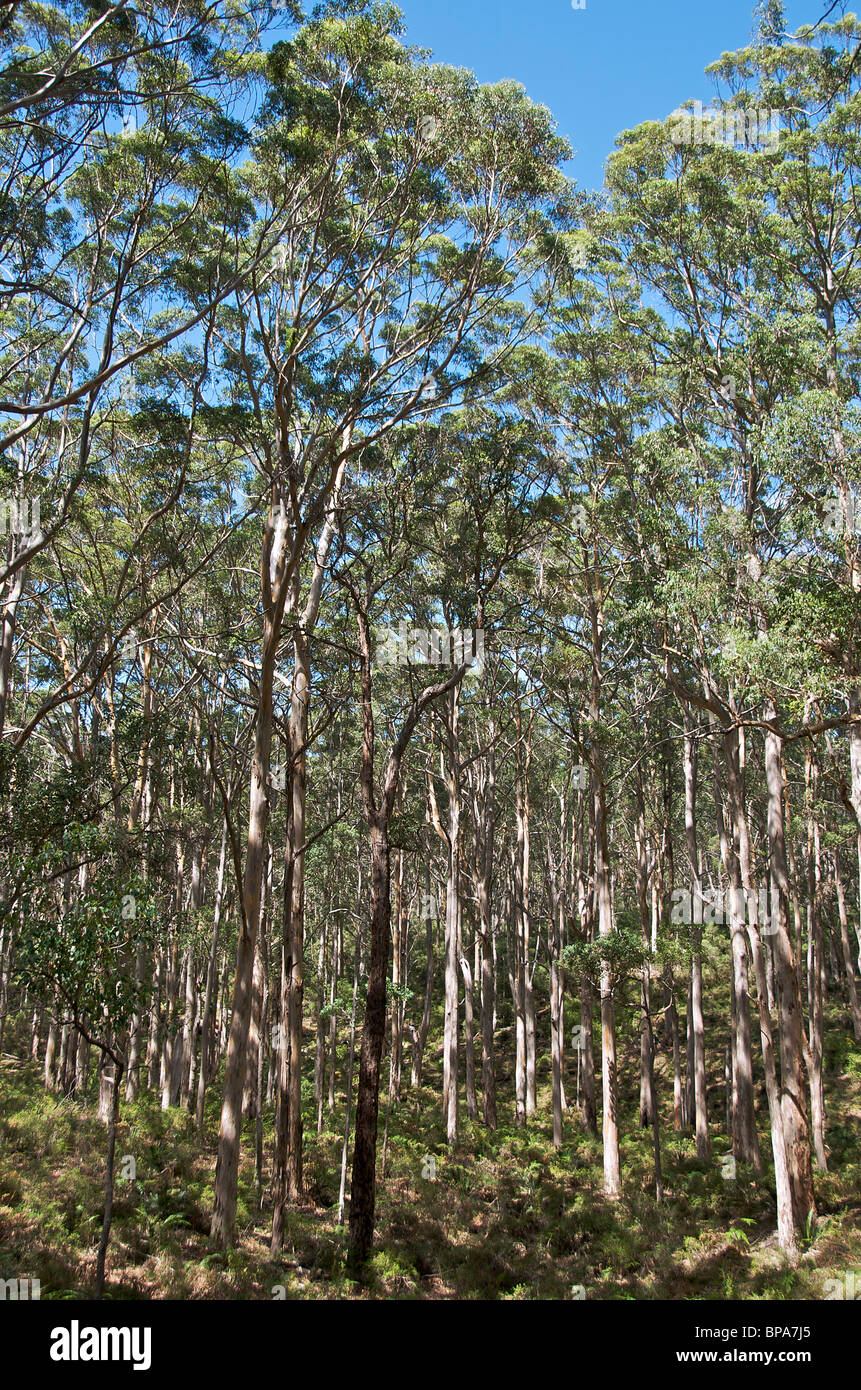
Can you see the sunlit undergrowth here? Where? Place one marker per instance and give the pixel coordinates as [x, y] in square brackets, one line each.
[500, 1216]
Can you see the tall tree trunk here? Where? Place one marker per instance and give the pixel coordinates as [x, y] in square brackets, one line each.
[468, 1023]
[696, 1016]
[211, 974]
[320, 1042]
[647, 1099]
[227, 1166]
[556, 1019]
[348, 1118]
[585, 1048]
[745, 1143]
[451, 839]
[398, 927]
[378, 813]
[363, 1186]
[486, 831]
[734, 760]
[296, 954]
[610, 1122]
[109, 1180]
[7, 637]
[815, 968]
[333, 1020]
[796, 1126]
[420, 1038]
[848, 962]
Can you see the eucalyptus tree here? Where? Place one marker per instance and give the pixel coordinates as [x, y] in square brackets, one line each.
[752, 251]
[376, 559]
[78, 953]
[98, 658]
[414, 207]
[811, 77]
[81, 202]
[98, 226]
[594, 397]
[487, 475]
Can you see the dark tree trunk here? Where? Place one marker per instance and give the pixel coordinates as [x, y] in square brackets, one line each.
[363, 1186]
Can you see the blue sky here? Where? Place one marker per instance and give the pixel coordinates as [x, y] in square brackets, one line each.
[600, 70]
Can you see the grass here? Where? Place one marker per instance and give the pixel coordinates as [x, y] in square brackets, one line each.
[500, 1216]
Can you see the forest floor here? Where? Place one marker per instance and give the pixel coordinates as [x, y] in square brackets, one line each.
[500, 1216]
